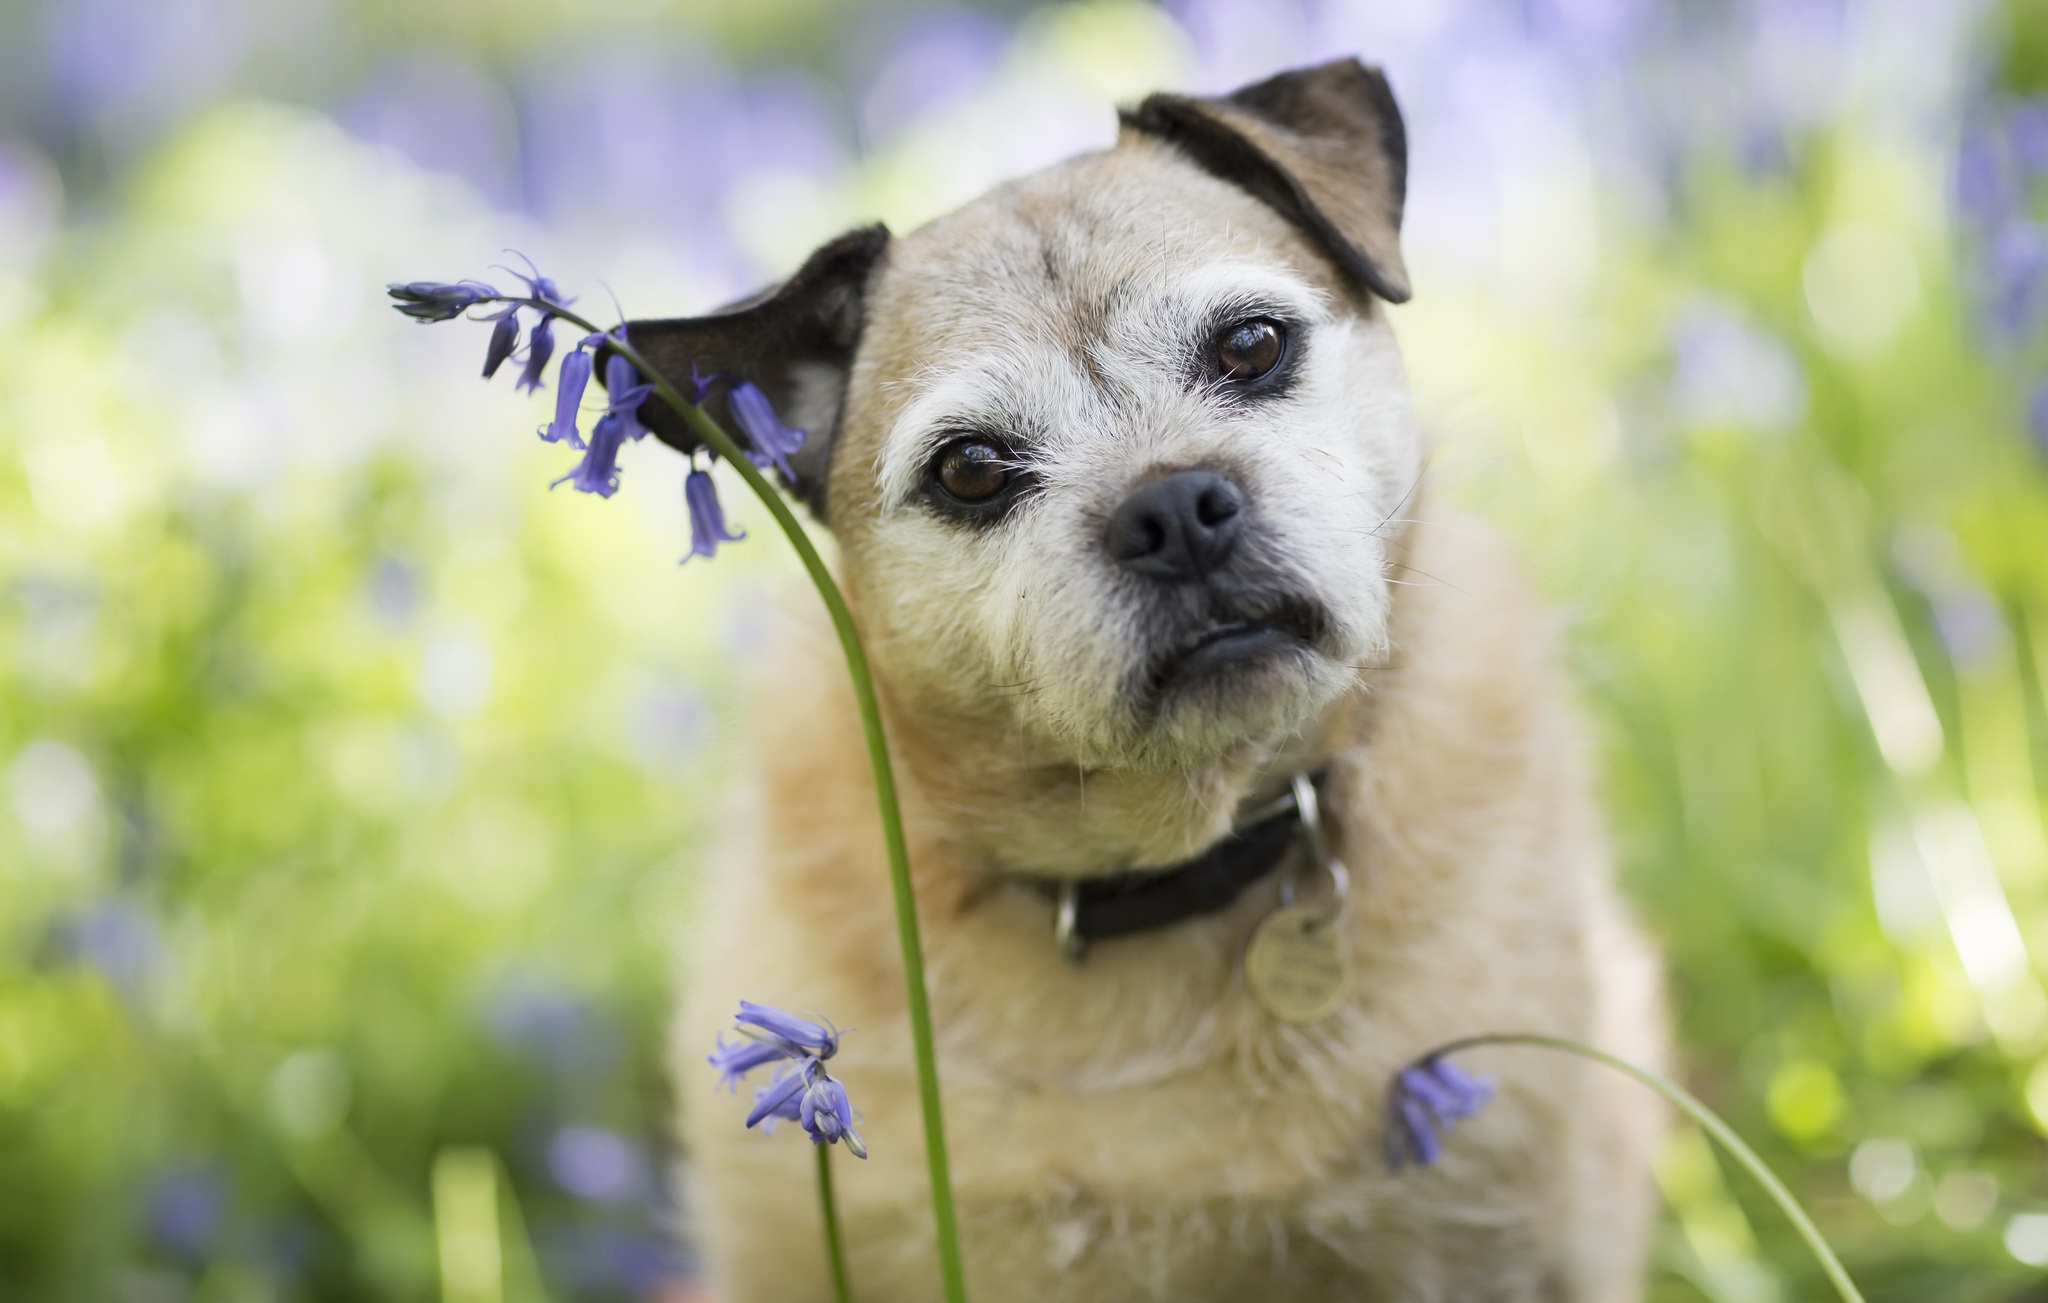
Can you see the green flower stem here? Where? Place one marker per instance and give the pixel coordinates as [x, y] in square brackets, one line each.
[1710, 1122]
[835, 1254]
[916, 1001]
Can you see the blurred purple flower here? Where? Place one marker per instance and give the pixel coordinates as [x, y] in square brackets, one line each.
[1763, 151]
[184, 1210]
[123, 72]
[558, 1029]
[443, 113]
[1983, 190]
[1970, 626]
[927, 61]
[118, 938]
[2037, 415]
[2013, 271]
[1432, 1093]
[595, 1164]
[2026, 135]
[1729, 371]
[612, 1262]
[772, 441]
[707, 518]
[665, 725]
[783, 121]
[394, 590]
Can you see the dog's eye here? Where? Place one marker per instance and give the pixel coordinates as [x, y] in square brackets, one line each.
[1249, 349]
[973, 470]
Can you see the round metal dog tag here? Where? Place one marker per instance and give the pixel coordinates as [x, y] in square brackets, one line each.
[1295, 963]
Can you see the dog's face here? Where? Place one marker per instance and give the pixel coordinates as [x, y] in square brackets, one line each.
[1116, 459]
[1117, 448]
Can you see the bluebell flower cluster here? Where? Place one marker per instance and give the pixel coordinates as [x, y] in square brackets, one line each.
[1429, 1095]
[800, 1091]
[768, 442]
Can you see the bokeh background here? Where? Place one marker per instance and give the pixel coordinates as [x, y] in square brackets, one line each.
[352, 785]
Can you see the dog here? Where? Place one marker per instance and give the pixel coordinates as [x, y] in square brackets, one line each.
[1126, 485]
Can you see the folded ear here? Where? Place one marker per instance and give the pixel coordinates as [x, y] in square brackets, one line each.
[1324, 146]
[795, 341]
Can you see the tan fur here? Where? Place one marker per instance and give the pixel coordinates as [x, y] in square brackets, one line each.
[1136, 1127]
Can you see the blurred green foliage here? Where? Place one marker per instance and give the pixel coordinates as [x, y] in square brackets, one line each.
[354, 783]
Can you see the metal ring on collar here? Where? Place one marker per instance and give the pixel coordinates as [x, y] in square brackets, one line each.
[1066, 931]
[1316, 847]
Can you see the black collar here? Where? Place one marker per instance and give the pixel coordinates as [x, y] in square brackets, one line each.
[1143, 900]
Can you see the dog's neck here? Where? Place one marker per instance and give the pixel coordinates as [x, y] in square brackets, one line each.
[1001, 802]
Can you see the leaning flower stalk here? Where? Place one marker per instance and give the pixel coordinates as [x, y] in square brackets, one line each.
[428, 301]
[1412, 1104]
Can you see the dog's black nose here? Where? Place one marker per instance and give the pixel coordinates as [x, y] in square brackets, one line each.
[1180, 526]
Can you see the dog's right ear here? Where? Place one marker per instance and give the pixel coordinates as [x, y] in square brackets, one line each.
[795, 341]
[1325, 147]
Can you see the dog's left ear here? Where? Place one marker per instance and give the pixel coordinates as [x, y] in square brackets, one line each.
[1325, 146]
[795, 341]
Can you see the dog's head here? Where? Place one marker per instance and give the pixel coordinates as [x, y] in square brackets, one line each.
[1112, 452]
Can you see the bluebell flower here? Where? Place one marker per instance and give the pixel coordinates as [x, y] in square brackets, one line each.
[626, 392]
[598, 472]
[814, 1099]
[504, 338]
[741, 1057]
[826, 1114]
[569, 387]
[707, 518]
[798, 1035]
[772, 441]
[782, 1097]
[540, 346]
[702, 383]
[428, 301]
[801, 1091]
[1428, 1095]
[539, 286]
